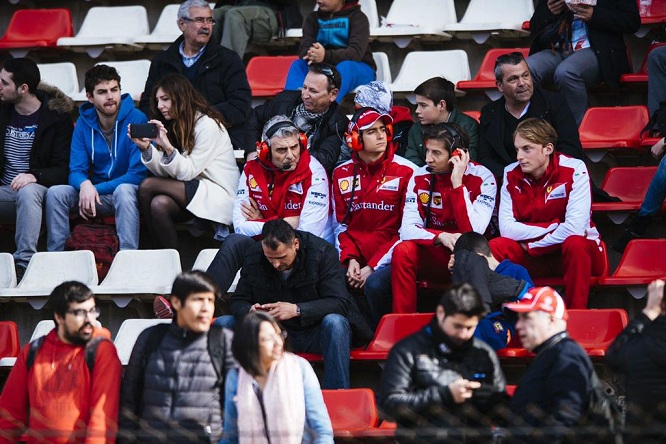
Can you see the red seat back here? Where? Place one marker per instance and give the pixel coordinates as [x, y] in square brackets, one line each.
[267, 75]
[643, 258]
[37, 27]
[394, 327]
[628, 183]
[487, 68]
[596, 328]
[10, 345]
[613, 127]
[351, 409]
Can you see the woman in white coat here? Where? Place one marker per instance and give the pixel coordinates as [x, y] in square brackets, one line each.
[192, 159]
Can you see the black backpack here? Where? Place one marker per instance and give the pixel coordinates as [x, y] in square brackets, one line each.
[604, 416]
[90, 354]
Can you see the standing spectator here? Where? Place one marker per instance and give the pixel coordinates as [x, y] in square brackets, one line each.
[554, 393]
[192, 158]
[105, 167]
[368, 200]
[295, 277]
[520, 101]
[442, 377]
[436, 103]
[378, 95]
[215, 71]
[36, 122]
[577, 45]
[639, 353]
[314, 112]
[65, 386]
[339, 34]
[274, 393]
[448, 196]
[544, 214]
[173, 387]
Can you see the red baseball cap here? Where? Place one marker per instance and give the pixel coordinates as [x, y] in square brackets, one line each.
[367, 119]
[540, 299]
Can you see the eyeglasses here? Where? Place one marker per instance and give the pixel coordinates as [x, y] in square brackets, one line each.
[200, 20]
[82, 313]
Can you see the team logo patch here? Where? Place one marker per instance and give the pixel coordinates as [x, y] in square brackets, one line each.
[252, 182]
[423, 197]
[345, 184]
[390, 183]
[296, 188]
[556, 191]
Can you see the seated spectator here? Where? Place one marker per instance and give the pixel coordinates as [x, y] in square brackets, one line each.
[105, 167]
[274, 393]
[436, 103]
[215, 71]
[442, 379]
[284, 182]
[497, 282]
[368, 198]
[239, 22]
[314, 112]
[578, 45]
[36, 122]
[544, 214]
[337, 33]
[656, 67]
[192, 158]
[378, 95]
[448, 196]
[295, 277]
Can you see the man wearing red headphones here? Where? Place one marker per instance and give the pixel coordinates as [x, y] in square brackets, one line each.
[448, 196]
[368, 197]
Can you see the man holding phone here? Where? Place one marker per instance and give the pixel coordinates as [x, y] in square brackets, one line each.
[442, 377]
[105, 166]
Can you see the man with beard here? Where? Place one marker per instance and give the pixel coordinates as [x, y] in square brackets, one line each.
[65, 386]
[442, 377]
[105, 166]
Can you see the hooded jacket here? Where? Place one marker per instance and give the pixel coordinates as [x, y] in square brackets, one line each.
[93, 159]
[49, 156]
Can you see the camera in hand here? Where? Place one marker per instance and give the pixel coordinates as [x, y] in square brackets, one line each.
[143, 130]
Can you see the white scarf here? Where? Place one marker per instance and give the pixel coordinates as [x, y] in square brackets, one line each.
[283, 400]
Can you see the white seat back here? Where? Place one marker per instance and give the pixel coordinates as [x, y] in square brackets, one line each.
[419, 66]
[7, 271]
[61, 75]
[141, 272]
[47, 270]
[423, 13]
[128, 333]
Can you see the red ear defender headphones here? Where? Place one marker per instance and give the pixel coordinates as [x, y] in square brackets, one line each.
[263, 147]
[455, 140]
[353, 136]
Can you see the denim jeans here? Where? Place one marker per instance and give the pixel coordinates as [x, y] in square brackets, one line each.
[229, 259]
[352, 74]
[656, 192]
[378, 294]
[571, 75]
[24, 207]
[61, 200]
[656, 78]
[331, 338]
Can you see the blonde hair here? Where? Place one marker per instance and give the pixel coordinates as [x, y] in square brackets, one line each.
[537, 131]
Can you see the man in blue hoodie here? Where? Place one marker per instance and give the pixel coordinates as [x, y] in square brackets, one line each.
[105, 166]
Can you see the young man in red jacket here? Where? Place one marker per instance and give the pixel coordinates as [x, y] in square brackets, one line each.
[368, 197]
[448, 196]
[544, 213]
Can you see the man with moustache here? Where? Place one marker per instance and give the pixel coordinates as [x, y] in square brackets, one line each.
[65, 386]
[215, 71]
[105, 166]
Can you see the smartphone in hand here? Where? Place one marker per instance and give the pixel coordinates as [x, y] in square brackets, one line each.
[143, 130]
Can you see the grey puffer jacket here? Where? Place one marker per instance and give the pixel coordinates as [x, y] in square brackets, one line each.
[176, 394]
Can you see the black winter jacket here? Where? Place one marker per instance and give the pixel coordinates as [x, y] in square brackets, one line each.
[610, 20]
[639, 352]
[414, 388]
[177, 394]
[545, 105]
[324, 144]
[317, 283]
[221, 79]
[49, 156]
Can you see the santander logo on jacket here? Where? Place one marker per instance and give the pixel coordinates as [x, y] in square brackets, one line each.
[546, 211]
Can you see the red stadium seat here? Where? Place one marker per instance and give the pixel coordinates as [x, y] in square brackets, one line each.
[392, 328]
[267, 75]
[642, 262]
[514, 350]
[485, 78]
[559, 281]
[352, 411]
[641, 75]
[616, 127]
[656, 13]
[10, 345]
[596, 329]
[476, 115]
[629, 184]
[37, 28]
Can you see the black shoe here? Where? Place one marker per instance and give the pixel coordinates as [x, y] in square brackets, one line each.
[634, 230]
[620, 244]
[20, 271]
